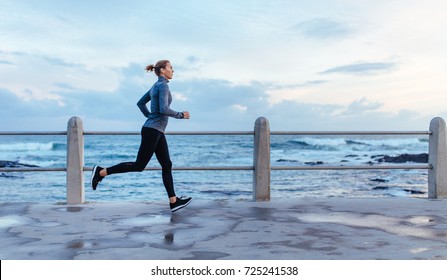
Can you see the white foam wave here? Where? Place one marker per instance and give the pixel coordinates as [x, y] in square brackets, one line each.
[27, 147]
[322, 141]
[334, 142]
[398, 142]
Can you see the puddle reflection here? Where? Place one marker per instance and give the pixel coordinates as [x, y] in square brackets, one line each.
[169, 238]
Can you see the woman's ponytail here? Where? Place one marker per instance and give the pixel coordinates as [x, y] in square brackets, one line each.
[150, 68]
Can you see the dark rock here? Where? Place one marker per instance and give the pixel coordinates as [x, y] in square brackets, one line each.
[380, 188]
[414, 191]
[14, 164]
[378, 180]
[410, 191]
[419, 158]
[314, 162]
[11, 175]
[286, 160]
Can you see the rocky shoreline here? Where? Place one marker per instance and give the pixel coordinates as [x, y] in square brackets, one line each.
[402, 158]
[14, 164]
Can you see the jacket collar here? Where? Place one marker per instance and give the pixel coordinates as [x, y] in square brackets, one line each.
[162, 79]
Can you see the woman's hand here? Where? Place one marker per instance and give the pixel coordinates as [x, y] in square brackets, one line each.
[186, 115]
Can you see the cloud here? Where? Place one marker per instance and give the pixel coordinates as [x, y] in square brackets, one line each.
[274, 86]
[9, 101]
[5, 62]
[214, 105]
[322, 28]
[362, 68]
[361, 106]
[18, 114]
[37, 76]
[240, 107]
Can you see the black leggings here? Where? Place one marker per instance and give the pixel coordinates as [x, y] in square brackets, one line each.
[152, 141]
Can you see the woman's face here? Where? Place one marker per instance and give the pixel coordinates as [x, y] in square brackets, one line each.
[168, 71]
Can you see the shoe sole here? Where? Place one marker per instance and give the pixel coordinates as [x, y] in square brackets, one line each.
[93, 176]
[181, 206]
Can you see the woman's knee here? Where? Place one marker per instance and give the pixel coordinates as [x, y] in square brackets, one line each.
[166, 165]
[139, 167]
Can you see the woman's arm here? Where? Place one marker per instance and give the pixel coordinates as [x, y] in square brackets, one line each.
[164, 103]
[142, 104]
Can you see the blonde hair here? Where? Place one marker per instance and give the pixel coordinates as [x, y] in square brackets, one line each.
[156, 68]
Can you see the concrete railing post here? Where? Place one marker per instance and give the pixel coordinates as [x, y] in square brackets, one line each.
[437, 157]
[75, 161]
[261, 160]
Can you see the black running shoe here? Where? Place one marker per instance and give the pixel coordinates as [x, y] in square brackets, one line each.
[180, 203]
[96, 178]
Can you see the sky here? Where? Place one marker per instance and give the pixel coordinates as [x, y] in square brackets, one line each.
[304, 65]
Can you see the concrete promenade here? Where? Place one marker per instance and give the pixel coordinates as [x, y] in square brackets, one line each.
[298, 229]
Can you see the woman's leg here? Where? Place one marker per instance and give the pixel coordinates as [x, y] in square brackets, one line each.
[162, 154]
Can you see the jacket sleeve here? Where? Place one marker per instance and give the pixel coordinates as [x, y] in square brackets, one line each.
[164, 103]
[142, 104]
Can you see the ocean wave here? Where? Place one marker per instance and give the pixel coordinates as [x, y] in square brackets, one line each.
[32, 146]
[397, 142]
[338, 144]
[309, 144]
[59, 146]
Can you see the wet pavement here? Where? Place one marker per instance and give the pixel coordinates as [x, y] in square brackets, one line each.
[298, 229]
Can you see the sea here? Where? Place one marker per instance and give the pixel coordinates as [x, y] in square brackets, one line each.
[217, 150]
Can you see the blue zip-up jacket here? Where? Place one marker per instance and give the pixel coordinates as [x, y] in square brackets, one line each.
[160, 97]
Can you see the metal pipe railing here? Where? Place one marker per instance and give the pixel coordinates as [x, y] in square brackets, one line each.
[319, 133]
[316, 133]
[171, 133]
[33, 133]
[353, 167]
[197, 168]
[32, 169]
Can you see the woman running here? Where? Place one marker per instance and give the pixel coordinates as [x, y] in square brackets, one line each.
[153, 139]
